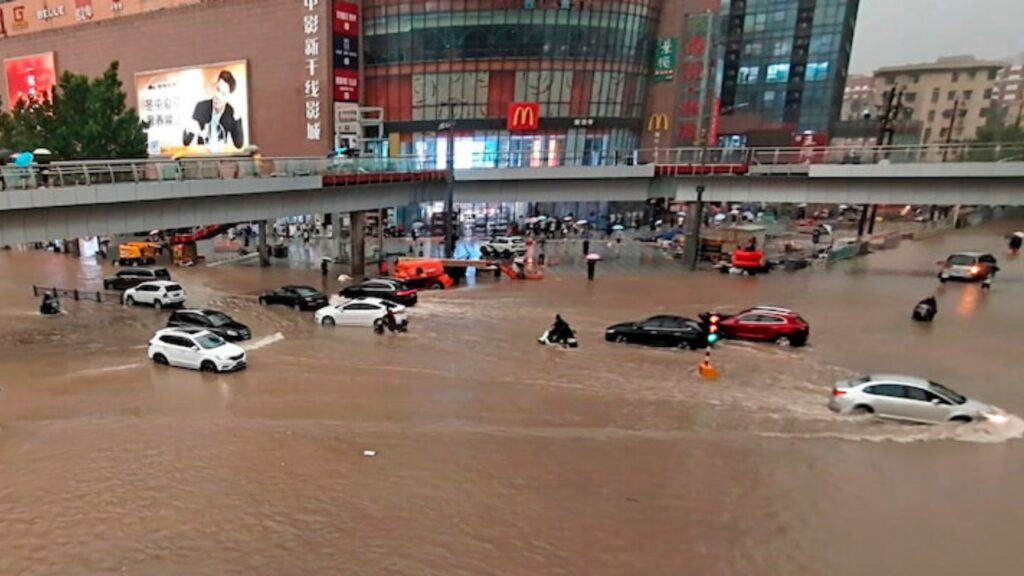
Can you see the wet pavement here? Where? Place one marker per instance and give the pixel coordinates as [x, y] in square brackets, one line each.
[497, 456]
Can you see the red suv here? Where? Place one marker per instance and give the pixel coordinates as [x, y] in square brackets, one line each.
[769, 324]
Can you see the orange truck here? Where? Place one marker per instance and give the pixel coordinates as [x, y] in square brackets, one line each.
[423, 273]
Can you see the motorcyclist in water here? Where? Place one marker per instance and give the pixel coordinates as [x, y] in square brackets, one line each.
[50, 304]
[926, 309]
[560, 331]
[390, 322]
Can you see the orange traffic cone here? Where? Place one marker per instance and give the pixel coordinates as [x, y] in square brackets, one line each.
[706, 370]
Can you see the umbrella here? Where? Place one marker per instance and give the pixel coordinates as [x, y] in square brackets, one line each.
[1019, 234]
[567, 219]
[42, 152]
[417, 224]
[542, 217]
[720, 217]
[532, 220]
[618, 227]
[581, 222]
[748, 215]
[594, 256]
[24, 159]
[658, 223]
[5, 154]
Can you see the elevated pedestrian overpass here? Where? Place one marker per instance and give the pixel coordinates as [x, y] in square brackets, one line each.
[74, 199]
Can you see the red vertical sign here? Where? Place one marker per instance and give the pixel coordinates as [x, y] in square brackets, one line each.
[345, 26]
[716, 121]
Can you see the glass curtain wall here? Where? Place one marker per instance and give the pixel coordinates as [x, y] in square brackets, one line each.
[585, 62]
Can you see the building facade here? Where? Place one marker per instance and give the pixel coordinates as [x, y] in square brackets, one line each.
[952, 97]
[858, 98]
[511, 82]
[784, 68]
[526, 82]
[1008, 92]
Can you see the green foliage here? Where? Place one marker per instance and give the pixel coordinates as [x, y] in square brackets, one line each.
[997, 142]
[83, 119]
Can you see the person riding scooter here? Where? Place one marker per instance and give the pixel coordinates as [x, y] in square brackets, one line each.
[50, 304]
[560, 331]
[390, 321]
[926, 310]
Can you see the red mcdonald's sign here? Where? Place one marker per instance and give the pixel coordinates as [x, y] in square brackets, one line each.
[523, 116]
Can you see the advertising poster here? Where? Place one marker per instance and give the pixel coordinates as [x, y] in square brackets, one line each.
[29, 77]
[665, 59]
[346, 51]
[195, 110]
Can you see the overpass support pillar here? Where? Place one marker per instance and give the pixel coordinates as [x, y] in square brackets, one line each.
[264, 247]
[357, 235]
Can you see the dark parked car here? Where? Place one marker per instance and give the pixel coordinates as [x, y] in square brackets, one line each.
[383, 288]
[298, 297]
[211, 320]
[767, 324]
[130, 278]
[659, 331]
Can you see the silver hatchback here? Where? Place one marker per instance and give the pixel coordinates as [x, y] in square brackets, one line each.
[908, 398]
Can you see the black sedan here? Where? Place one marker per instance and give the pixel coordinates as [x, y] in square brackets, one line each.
[659, 331]
[217, 322]
[384, 288]
[298, 297]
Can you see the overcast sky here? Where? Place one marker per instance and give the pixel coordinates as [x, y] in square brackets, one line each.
[891, 32]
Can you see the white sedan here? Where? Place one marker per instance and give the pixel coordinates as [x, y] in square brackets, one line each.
[359, 312]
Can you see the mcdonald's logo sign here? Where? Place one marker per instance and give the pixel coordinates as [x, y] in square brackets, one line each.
[657, 123]
[523, 116]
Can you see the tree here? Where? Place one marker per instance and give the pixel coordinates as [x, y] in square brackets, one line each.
[998, 142]
[84, 119]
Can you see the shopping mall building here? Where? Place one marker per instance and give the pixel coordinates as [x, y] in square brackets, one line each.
[525, 82]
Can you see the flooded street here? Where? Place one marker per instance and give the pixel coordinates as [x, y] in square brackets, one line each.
[497, 456]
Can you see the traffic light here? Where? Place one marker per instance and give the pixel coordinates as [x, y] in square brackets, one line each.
[713, 333]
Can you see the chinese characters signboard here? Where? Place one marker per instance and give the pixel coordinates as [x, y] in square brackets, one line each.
[311, 58]
[346, 52]
[665, 59]
[202, 109]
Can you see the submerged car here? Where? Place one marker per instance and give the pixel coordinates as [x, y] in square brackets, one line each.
[659, 331]
[908, 398]
[298, 297]
[212, 320]
[384, 288]
[132, 277]
[767, 324]
[196, 349]
[360, 312]
[157, 294]
[968, 266]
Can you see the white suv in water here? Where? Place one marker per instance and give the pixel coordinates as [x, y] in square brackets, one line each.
[196, 349]
[157, 294]
[503, 247]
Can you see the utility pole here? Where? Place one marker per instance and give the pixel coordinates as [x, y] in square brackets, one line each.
[952, 126]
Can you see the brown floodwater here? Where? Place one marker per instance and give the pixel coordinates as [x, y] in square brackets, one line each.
[497, 456]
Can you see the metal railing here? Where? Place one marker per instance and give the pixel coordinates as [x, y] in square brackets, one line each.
[777, 156]
[382, 170]
[91, 172]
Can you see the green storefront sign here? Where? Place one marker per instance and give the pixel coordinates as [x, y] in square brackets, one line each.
[665, 59]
